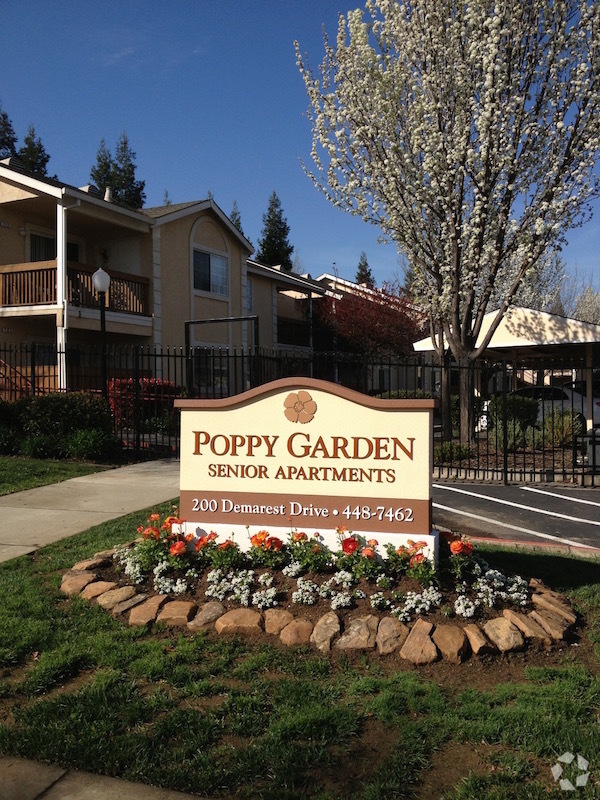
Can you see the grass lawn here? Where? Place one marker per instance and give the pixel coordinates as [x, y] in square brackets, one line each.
[18, 472]
[251, 719]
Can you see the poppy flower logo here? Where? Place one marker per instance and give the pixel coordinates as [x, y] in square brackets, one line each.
[299, 407]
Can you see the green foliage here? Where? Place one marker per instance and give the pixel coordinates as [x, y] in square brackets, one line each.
[406, 394]
[521, 412]
[92, 445]
[118, 173]
[451, 451]
[478, 403]
[562, 427]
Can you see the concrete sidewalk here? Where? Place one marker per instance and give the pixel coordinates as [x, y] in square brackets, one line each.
[28, 780]
[37, 517]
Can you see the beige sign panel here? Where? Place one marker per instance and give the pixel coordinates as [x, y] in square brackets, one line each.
[304, 452]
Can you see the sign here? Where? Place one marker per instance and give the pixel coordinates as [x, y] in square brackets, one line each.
[307, 454]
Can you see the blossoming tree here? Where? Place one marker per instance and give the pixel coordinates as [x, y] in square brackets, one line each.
[468, 131]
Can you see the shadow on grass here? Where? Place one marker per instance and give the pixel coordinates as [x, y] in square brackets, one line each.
[558, 571]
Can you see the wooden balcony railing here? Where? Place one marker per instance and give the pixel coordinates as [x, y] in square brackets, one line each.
[35, 284]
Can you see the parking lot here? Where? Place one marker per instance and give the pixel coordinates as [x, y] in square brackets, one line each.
[564, 515]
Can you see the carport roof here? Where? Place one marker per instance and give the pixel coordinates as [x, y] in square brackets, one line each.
[528, 328]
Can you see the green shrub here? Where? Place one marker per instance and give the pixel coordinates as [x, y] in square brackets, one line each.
[478, 403]
[42, 446]
[61, 414]
[517, 436]
[520, 411]
[451, 451]
[92, 445]
[560, 429]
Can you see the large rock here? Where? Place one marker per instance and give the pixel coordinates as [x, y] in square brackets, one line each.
[360, 634]
[297, 632]
[97, 562]
[127, 605]
[391, 635]
[239, 620]
[555, 627]
[74, 581]
[276, 620]
[418, 647]
[452, 643]
[504, 635]
[528, 627]
[206, 615]
[177, 612]
[478, 641]
[146, 612]
[95, 589]
[546, 602]
[325, 630]
[110, 599]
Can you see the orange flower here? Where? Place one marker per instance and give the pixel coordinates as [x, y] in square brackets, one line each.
[273, 543]
[367, 552]
[189, 537]
[153, 517]
[299, 407]
[460, 547]
[212, 536]
[419, 558]
[372, 542]
[299, 536]
[177, 549]
[140, 529]
[151, 533]
[259, 538]
[202, 542]
[226, 544]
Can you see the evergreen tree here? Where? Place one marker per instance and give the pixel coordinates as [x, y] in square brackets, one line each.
[101, 173]
[8, 138]
[167, 199]
[363, 272]
[33, 154]
[118, 173]
[273, 246]
[127, 190]
[236, 218]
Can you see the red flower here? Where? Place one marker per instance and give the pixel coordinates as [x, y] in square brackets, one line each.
[273, 543]
[153, 517]
[151, 533]
[212, 536]
[299, 537]
[259, 539]
[350, 545]
[202, 542]
[367, 552]
[177, 549]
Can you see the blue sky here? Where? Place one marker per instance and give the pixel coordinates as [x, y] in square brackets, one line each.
[211, 99]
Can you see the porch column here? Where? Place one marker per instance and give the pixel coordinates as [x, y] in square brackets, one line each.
[61, 295]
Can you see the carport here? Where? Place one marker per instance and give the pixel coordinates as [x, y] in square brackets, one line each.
[543, 338]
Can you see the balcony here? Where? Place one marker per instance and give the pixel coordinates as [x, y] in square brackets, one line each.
[34, 284]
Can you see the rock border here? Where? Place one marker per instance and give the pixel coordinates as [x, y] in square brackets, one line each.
[422, 643]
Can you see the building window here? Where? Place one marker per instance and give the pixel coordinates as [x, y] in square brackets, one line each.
[210, 273]
[43, 248]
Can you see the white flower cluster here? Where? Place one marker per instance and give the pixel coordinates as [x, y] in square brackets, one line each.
[417, 603]
[127, 558]
[265, 598]
[165, 585]
[493, 587]
[379, 601]
[306, 592]
[235, 586]
[465, 607]
[293, 569]
[341, 600]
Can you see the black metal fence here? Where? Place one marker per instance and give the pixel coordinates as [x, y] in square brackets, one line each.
[528, 419]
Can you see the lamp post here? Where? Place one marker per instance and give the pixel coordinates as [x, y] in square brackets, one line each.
[101, 282]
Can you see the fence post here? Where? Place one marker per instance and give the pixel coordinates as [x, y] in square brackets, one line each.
[136, 397]
[504, 426]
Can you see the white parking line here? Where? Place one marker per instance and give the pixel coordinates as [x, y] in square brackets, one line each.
[562, 496]
[510, 527]
[517, 505]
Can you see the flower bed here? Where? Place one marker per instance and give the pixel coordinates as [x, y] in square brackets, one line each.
[304, 573]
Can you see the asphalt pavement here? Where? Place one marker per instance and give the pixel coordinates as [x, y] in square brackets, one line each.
[561, 515]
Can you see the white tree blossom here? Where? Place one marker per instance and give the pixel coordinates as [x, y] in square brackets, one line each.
[468, 131]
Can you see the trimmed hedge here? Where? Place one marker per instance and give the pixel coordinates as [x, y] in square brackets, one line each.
[75, 425]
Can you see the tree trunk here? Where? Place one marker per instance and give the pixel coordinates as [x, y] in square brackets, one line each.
[466, 390]
[445, 402]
